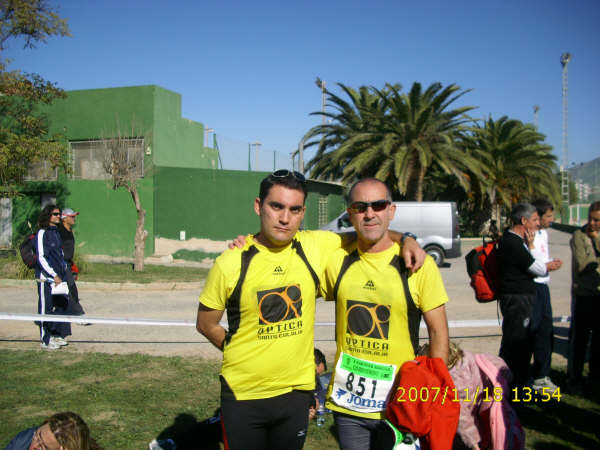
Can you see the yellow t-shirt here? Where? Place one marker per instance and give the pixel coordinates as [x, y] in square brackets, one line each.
[372, 326]
[271, 351]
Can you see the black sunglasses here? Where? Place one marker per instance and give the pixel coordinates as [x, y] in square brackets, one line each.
[56, 214]
[283, 173]
[361, 207]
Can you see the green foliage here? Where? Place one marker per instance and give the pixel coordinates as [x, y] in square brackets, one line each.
[24, 138]
[516, 164]
[393, 136]
[32, 20]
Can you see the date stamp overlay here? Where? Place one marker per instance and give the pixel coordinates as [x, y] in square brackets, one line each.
[468, 395]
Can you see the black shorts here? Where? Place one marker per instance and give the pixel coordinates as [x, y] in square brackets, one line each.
[265, 424]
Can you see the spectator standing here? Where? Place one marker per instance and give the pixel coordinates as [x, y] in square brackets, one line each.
[65, 229]
[585, 246]
[518, 268]
[51, 271]
[541, 325]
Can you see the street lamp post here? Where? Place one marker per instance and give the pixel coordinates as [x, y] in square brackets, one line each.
[321, 85]
[256, 146]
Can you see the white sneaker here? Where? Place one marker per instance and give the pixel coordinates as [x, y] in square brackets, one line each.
[49, 346]
[59, 341]
[541, 383]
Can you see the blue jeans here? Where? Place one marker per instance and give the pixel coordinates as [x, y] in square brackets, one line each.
[357, 433]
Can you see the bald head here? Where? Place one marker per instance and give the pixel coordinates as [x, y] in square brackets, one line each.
[369, 181]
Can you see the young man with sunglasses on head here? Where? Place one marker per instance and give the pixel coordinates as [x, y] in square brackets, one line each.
[50, 271]
[377, 323]
[269, 289]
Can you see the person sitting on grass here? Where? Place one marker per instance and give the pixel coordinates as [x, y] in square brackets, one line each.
[62, 431]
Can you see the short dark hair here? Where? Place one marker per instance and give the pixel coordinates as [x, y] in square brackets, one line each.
[320, 358]
[542, 205]
[290, 181]
[521, 210]
[593, 207]
[371, 180]
[45, 214]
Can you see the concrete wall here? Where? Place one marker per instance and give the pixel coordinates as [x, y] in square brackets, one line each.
[107, 219]
[149, 111]
[218, 204]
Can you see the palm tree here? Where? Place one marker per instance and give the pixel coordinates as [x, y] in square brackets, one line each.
[516, 162]
[392, 136]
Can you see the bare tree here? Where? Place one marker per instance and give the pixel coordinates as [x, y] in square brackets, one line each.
[124, 162]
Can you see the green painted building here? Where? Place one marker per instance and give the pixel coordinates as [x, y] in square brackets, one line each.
[181, 185]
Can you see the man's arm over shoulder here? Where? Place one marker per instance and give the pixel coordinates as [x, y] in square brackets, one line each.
[412, 253]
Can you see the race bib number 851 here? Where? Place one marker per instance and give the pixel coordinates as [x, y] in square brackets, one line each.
[361, 385]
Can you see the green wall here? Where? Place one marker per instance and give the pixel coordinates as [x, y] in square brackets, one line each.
[179, 142]
[218, 204]
[215, 204]
[106, 223]
[95, 113]
[149, 111]
[335, 202]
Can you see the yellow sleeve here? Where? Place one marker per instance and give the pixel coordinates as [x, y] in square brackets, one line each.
[328, 242]
[331, 272]
[428, 286]
[217, 288]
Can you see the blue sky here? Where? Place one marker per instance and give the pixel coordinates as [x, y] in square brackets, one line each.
[247, 69]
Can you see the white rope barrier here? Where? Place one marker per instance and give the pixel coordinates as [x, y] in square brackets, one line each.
[488, 323]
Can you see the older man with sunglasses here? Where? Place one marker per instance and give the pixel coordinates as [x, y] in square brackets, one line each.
[378, 313]
[269, 288]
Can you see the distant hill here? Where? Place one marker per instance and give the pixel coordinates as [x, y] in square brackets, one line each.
[586, 177]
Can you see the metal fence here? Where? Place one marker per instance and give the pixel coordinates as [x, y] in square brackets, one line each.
[236, 154]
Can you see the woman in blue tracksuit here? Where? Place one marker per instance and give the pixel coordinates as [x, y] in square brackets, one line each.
[50, 270]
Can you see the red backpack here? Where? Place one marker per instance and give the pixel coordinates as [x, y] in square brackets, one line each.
[482, 267]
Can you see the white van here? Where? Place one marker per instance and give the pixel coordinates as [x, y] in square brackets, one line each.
[434, 223]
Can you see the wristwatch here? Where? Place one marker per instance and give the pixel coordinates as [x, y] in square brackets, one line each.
[406, 234]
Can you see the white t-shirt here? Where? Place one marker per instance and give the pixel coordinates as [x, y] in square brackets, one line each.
[541, 252]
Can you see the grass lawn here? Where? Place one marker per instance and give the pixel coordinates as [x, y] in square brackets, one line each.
[128, 400]
[12, 267]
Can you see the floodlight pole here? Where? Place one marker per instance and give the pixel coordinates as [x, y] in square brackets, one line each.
[564, 61]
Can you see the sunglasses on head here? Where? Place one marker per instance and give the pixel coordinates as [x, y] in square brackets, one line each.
[377, 205]
[283, 173]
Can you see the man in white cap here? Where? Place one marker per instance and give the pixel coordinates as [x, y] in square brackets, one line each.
[65, 229]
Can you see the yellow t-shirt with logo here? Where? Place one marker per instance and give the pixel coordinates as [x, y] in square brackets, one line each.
[271, 352]
[372, 332]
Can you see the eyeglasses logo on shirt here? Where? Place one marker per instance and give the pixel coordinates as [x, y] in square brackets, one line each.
[279, 304]
[366, 319]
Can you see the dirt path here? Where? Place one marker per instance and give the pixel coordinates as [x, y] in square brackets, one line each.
[161, 304]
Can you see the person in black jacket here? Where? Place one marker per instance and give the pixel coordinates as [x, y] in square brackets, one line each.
[65, 229]
[50, 271]
[518, 268]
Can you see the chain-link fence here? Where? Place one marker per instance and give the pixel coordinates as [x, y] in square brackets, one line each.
[252, 156]
[586, 177]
